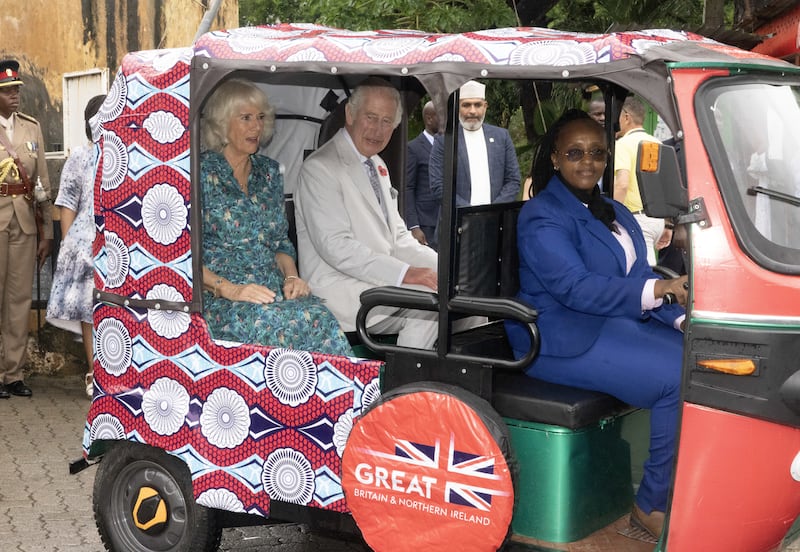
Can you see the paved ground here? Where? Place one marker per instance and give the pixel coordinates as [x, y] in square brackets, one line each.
[45, 509]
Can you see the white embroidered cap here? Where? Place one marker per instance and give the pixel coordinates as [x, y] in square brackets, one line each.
[472, 89]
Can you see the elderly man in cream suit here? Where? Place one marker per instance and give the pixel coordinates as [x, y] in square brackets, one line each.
[350, 234]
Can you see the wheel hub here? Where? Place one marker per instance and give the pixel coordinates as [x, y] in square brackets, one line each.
[150, 512]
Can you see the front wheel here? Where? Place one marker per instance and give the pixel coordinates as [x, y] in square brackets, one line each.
[143, 502]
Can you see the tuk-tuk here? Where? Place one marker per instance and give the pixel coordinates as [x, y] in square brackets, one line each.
[453, 448]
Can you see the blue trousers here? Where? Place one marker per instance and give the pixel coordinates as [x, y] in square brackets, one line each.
[640, 364]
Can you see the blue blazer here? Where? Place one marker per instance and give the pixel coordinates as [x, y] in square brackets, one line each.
[421, 207]
[572, 271]
[503, 167]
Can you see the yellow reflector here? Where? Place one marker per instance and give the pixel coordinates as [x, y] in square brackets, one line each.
[735, 366]
[157, 517]
[649, 159]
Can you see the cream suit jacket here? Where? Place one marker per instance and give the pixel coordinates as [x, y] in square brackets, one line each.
[29, 146]
[344, 244]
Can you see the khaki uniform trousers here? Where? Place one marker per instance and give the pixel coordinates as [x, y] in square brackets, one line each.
[17, 261]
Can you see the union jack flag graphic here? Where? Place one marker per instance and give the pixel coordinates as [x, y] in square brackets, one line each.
[463, 478]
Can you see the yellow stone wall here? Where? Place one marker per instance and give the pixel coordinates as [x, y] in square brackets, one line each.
[53, 37]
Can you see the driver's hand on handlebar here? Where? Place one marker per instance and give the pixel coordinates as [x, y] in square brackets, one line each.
[421, 277]
[677, 287]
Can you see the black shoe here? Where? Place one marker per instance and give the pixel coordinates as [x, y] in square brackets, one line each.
[3, 393]
[19, 389]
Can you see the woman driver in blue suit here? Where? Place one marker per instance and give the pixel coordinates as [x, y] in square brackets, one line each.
[603, 323]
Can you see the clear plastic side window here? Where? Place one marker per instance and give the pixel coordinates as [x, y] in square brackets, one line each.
[758, 127]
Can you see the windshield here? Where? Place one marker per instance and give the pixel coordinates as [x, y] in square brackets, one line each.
[756, 127]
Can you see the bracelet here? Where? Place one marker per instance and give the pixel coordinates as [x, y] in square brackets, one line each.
[217, 283]
[669, 226]
[286, 279]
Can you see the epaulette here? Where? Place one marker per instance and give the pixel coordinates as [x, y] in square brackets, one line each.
[27, 117]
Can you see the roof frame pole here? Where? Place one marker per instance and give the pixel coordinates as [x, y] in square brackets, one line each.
[447, 242]
[210, 15]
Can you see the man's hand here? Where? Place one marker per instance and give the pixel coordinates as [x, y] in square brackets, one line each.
[43, 251]
[421, 277]
[665, 239]
[419, 235]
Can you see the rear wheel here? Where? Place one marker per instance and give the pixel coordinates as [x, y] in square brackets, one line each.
[143, 502]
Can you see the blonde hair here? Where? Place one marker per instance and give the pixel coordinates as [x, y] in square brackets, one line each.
[225, 103]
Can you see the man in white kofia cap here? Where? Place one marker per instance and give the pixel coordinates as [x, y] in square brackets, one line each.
[488, 171]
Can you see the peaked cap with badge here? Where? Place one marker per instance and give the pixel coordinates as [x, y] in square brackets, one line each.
[9, 73]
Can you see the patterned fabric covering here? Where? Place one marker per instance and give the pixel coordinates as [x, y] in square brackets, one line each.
[252, 423]
[241, 236]
[510, 46]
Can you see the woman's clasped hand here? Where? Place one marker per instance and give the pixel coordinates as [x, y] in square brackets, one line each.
[255, 293]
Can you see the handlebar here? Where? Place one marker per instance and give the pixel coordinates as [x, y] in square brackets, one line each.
[502, 307]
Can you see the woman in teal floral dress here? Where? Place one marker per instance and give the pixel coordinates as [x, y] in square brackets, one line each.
[249, 267]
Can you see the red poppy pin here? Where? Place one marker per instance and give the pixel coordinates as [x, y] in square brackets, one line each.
[383, 171]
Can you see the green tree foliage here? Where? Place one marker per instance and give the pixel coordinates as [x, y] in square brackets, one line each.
[267, 12]
[599, 16]
[445, 16]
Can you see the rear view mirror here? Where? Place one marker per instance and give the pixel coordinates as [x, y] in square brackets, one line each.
[660, 184]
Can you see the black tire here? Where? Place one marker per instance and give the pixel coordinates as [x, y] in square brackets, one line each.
[143, 502]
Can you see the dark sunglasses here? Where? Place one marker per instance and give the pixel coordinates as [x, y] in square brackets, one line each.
[575, 155]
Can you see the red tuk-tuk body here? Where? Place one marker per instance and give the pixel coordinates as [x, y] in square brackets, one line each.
[191, 429]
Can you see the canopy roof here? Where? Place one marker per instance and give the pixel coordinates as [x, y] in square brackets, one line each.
[517, 47]
[636, 60]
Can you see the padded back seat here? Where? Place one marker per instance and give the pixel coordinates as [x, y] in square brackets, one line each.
[488, 266]
[487, 261]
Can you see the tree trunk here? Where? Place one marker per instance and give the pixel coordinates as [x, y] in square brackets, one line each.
[713, 16]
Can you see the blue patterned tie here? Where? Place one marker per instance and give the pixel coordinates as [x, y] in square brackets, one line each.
[376, 186]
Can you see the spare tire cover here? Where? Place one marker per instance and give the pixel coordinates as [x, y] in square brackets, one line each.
[426, 467]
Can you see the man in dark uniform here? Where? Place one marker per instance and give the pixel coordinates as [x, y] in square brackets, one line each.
[22, 169]
[421, 208]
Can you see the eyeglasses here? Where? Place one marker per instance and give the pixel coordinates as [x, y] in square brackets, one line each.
[574, 155]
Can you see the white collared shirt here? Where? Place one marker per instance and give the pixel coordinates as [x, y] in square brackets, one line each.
[8, 125]
[481, 187]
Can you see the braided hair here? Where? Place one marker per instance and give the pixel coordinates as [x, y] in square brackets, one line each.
[543, 170]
